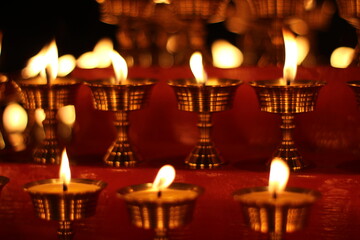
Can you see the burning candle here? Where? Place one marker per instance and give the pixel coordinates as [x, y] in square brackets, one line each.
[64, 184]
[276, 209]
[65, 199]
[167, 205]
[204, 96]
[288, 96]
[159, 190]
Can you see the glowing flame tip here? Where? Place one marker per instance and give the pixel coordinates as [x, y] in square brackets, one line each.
[279, 175]
[65, 174]
[164, 178]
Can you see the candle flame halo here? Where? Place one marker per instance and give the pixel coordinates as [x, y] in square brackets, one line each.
[279, 175]
[44, 63]
[65, 173]
[197, 68]
[291, 56]
[119, 65]
[164, 177]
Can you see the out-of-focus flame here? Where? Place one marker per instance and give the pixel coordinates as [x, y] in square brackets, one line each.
[99, 57]
[67, 115]
[14, 118]
[45, 63]
[309, 4]
[164, 178]
[291, 56]
[162, 1]
[120, 67]
[279, 175]
[197, 68]
[64, 173]
[40, 116]
[342, 57]
[66, 64]
[303, 47]
[226, 55]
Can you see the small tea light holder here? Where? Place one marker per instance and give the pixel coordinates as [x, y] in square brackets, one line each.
[120, 97]
[276, 209]
[213, 95]
[3, 181]
[53, 199]
[287, 97]
[167, 205]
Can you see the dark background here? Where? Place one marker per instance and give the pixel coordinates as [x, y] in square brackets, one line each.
[27, 26]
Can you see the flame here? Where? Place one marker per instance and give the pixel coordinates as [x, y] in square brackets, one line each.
[67, 114]
[99, 57]
[279, 175]
[45, 63]
[162, 1]
[40, 116]
[291, 56]
[120, 67]
[15, 118]
[303, 47]
[65, 174]
[164, 178]
[226, 55]
[197, 68]
[342, 57]
[66, 64]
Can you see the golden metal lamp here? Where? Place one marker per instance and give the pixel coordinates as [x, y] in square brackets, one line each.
[65, 207]
[161, 214]
[287, 100]
[204, 100]
[120, 99]
[49, 97]
[276, 217]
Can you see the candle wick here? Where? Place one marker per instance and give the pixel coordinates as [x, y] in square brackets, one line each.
[159, 194]
[274, 195]
[65, 187]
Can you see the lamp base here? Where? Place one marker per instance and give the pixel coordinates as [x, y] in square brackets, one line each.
[204, 156]
[120, 154]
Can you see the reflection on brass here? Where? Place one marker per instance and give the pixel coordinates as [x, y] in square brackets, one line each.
[204, 100]
[121, 99]
[50, 98]
[3, 182]
[355, 86]
[276, 8]
[65, 207]
[276, 218]
[299, 97]
[159, 215]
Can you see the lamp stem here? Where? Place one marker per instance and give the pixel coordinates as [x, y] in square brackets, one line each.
[120, 153]
[161, 234]
[65, 231]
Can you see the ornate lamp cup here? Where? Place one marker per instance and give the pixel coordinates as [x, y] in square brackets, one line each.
[49, 97]
[65, 207]
[276, 216]
[121, 99]
[204, 99]
[162, 213]
[286, 100]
